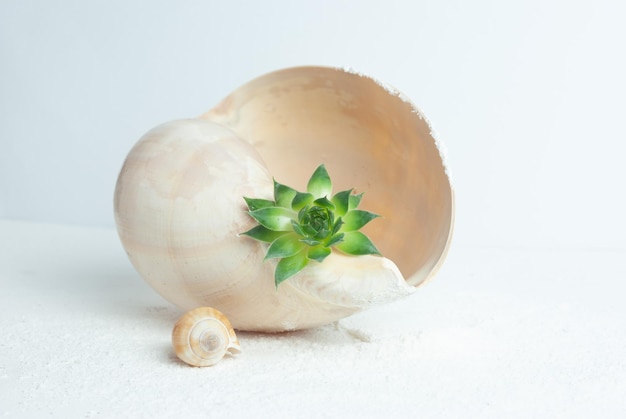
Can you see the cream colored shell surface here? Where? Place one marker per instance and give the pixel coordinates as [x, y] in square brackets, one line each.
[179, 206]
[203, 336]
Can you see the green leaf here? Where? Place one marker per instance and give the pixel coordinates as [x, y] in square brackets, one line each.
[256, 203]
[285, 246]
[321, 234]
[341, 201]
[354, 201]
[357, 243]
[310, 241]
[296, 227]
[320, 184]
[324, 203]
[318, 253]
[290, 266]
[337, 225]
[301, 200]
[308, 230]
[355, 219]
[263, 234]
[283, 195]
[337, 238]
[274, 218]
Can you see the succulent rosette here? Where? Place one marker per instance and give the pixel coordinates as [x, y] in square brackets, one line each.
[305, 226]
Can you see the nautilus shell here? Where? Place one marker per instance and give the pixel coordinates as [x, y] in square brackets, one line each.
[179, 204]
[202, 336]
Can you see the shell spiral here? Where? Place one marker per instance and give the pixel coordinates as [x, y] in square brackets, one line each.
[203, 336]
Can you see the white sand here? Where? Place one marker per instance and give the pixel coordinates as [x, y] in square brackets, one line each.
[499, 333]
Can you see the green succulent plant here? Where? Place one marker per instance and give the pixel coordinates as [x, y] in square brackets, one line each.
[305, 226]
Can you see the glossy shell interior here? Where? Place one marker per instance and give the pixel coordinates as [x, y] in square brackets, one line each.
[369, 137]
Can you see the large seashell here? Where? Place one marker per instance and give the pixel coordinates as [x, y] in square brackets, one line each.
[179, 206]
[202, 336]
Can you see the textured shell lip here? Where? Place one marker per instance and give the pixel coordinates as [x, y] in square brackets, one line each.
[299, 117]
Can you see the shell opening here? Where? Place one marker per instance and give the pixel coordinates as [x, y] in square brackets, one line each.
[370, 137]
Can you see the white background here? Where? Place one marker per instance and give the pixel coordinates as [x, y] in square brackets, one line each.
[528, 96]
[526, 318]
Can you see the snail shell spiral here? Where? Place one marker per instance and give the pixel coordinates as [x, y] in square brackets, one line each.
[202, 336]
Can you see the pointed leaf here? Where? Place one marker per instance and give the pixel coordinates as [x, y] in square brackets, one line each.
[296, 227]
[283, 195]
[325, 203]
[357, 243]
[337, 226]
[308, 230]
[302, 212]
[341, 201]
[263, 234]
[257, 203]
[274, 218]
[337, 238]
[355, 219]
[318, 253]
[320, 184]
[290, 266]
[285, 246]
[301, 200]
[321, 234]
[310, 241]
[354, 201]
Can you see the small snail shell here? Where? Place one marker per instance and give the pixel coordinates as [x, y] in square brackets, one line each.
[202, 336]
